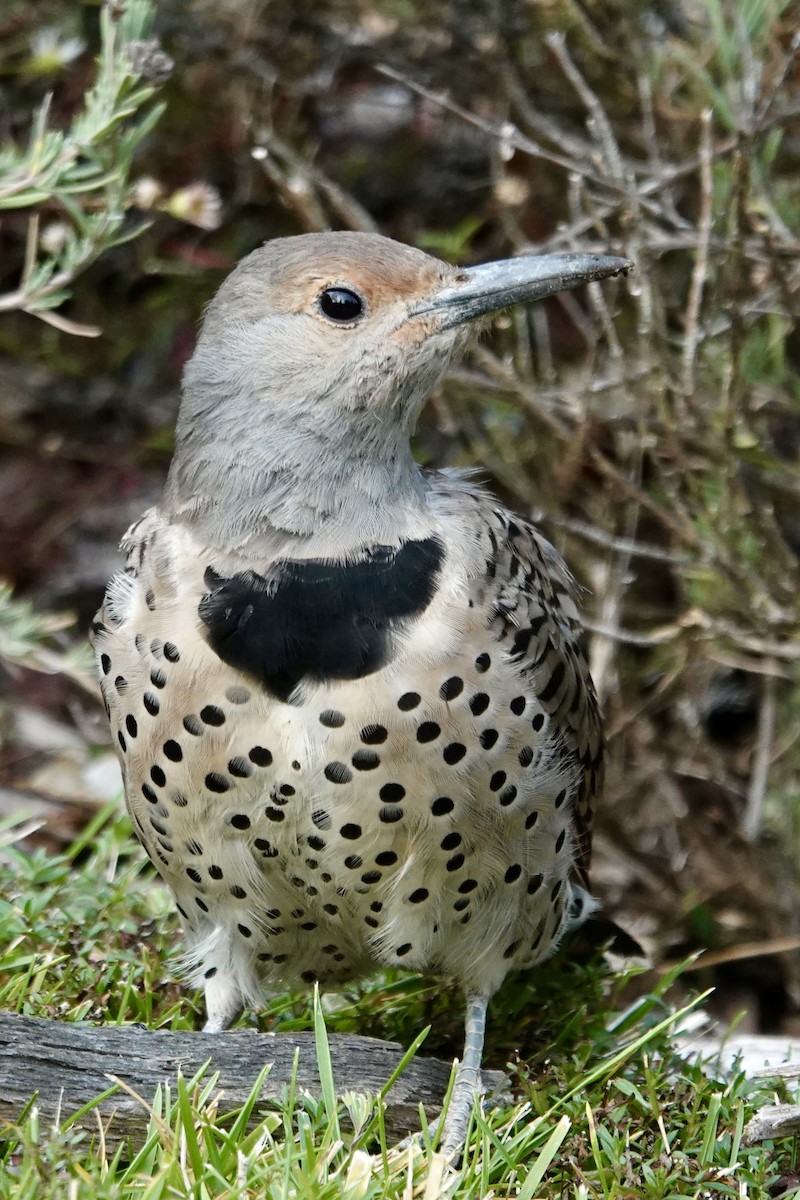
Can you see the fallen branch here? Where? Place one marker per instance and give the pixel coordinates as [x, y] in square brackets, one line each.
[69, 1065]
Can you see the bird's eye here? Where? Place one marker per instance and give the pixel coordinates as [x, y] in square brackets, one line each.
[340, 304]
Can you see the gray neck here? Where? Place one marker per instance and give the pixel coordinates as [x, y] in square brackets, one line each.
[285, 472]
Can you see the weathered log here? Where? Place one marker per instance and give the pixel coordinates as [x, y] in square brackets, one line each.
[68, 1065]
[772, 1121]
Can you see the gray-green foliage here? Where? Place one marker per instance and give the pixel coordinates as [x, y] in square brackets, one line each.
[84, 171]
[32, 639]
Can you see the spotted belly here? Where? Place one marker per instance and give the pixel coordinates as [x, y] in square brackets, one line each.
[367, 824]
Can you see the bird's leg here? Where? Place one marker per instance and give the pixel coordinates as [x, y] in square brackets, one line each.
[468, 1077]
[223, 1003]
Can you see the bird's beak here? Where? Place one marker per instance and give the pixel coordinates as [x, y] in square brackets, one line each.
[492, 286]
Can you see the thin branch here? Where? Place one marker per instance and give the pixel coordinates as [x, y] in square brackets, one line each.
[759, 776]
[600, 537]
[601, 125]
[700, 270]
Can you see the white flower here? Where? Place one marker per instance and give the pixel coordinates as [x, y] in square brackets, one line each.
[55, 236]
[198, 203]
[146, 192]
[50, 50]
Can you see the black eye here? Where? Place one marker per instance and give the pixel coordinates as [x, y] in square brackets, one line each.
[340, 304]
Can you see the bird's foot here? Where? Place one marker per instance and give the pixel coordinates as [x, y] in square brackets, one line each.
[451, 1130]
[468, 1087]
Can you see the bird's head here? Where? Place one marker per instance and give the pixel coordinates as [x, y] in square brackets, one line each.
[357, 321]
[318, 351]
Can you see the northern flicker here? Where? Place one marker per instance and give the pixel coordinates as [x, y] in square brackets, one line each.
[354, 718]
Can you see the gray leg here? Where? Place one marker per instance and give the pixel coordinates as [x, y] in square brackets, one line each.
[468, 1078]
[223, 1003]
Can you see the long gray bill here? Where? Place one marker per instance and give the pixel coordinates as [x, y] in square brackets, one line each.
[492, 286]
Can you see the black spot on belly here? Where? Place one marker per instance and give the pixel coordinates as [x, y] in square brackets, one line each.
[338, 772]
[318, 619]
[454, 753]
[216, 782]
[451, 687]
[331, 718]
[212, 715]
[373, 735]
[365, 760]
[392, 793]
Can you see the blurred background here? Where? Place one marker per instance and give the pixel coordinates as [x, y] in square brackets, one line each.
[651, 425]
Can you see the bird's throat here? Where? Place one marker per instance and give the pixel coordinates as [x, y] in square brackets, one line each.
[299, 475]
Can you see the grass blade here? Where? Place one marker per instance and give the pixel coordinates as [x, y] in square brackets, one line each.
[544, 1159]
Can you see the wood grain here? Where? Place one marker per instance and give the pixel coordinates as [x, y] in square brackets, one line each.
[68, 1065]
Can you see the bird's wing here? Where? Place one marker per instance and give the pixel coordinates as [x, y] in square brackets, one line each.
[533, 613]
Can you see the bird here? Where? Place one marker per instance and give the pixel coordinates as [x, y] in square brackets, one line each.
[349, 695]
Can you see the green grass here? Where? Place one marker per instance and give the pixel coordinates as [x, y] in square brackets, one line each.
[605, 1107]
